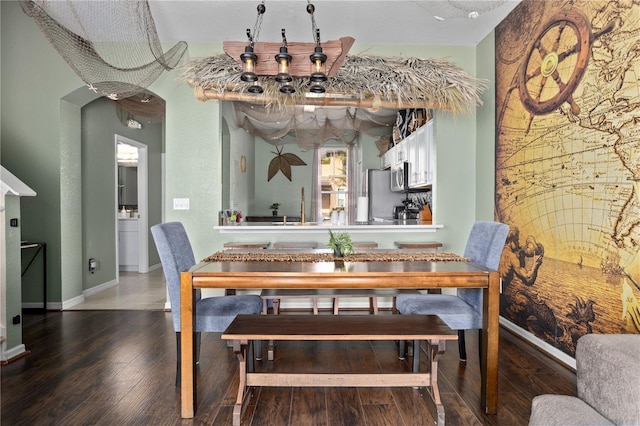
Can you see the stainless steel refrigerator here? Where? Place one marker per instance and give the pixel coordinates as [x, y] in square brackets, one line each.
[376, 185]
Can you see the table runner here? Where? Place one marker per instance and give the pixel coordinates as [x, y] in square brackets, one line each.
[390, 256]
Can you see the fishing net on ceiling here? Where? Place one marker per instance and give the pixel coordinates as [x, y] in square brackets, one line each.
[112, 46]
[308, 126]
[143, 106]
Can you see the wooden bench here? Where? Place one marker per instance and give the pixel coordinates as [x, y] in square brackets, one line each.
[430, 328]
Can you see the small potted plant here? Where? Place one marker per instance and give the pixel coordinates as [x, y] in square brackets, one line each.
[340, 243]
[274, 208]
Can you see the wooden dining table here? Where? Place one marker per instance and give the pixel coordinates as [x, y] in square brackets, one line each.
[342, 275]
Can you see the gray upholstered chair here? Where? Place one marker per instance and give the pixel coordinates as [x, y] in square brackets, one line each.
[608, 385]
[213, 314]
[462, 311]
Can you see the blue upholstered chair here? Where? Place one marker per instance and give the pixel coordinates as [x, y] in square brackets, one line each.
[213, 314]
[462, 311]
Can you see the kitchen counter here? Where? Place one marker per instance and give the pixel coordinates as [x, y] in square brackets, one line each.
[397, 226]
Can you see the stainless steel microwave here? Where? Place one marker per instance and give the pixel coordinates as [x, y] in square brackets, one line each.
[400, 177]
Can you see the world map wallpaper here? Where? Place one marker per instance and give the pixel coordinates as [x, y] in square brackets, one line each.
[568, 167]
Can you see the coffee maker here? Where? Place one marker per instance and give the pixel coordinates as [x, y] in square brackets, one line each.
[408, 210]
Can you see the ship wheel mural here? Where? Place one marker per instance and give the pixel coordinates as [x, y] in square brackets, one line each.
[555, 62]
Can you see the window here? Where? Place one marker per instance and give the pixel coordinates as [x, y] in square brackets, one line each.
[333, 179]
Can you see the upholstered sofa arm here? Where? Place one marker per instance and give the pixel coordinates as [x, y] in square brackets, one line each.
[608, 381]
[608, 375]
[564, 410]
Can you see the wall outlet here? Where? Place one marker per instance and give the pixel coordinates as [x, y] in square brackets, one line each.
[16, 319]
[13, 222]
[93, 265]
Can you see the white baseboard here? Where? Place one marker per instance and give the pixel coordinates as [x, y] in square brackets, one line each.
[72, 302]
[88, 292]
[541, 344]
[59, 306]
[101, 287]
[154, 267]
[12, 353]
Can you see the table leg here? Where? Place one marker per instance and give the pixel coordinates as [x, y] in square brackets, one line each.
[490, 338]
[187, 370]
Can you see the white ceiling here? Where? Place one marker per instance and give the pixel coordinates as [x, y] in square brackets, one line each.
[388, 22]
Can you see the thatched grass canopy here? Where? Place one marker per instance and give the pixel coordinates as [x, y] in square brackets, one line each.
[362, 81]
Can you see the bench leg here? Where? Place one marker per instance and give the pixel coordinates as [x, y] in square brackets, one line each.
[436, 348]
[240, 349]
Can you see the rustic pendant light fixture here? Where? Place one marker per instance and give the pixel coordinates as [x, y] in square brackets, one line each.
[288, 63]
[249, 58]
[318, 58]
[284, 59]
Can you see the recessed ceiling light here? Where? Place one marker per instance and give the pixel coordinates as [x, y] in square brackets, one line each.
[473, 14]
[439, 18]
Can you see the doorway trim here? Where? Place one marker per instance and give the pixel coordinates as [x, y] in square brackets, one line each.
[143, 204]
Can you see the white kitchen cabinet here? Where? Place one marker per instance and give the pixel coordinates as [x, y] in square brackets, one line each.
[410, 144]
[418, 149]
[388, 158]
[400, 153]
[128, 244]
[423, 157]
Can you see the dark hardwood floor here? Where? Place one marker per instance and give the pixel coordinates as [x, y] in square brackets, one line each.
[118, 368]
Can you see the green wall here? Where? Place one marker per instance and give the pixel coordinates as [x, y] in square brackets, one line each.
[30, 128]
[280, 189]
[99, 125]
[486, 132]
[43, 154]
[193, 158]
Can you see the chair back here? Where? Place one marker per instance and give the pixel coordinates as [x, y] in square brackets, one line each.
[484, 247]
[176, 255]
